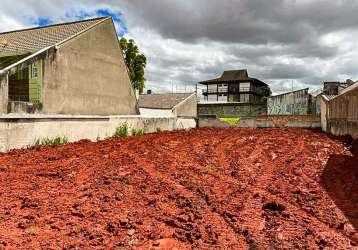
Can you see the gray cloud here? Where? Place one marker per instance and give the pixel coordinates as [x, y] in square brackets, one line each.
[245, 21]
[307, 41]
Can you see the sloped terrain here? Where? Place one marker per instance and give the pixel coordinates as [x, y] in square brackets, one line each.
[202, 189]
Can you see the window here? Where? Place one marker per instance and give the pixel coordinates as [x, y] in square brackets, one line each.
[212, 98]
[34, 70]
[244, 86]
[222, 98]
[234, 98]
[222, 88]
[245, 98]
[212, 88]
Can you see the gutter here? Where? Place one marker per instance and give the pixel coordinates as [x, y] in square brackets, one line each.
[3, 71]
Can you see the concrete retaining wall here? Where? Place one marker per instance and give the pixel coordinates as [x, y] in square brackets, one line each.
[304, 121]
[22, 131]
[293, 103]
[340, 116]
[231, 109]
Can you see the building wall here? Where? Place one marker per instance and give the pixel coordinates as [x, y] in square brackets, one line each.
[278, 121]
[187, 108]
[342, 114]
[323, 106]
[231, 109]
[4, 90]
[293, 103]
[35, 83]
[87, 75]
[156, 112]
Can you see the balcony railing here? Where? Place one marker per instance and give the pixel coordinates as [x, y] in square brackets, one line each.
[256, 90]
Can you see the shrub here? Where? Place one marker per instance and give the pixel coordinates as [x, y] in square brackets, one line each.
[159, 130]
[137, 132]
[51, 141]
[121, 131]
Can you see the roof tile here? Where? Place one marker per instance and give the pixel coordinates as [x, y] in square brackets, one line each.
[34, 39]
[162, 101]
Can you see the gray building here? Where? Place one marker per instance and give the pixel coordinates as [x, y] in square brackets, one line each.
[70, 68]
[339, 114]
[168, 105]
[299, 102]
[234, 94]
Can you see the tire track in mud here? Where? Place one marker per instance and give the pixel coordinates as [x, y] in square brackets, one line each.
[192, 191]
[204, 189]
[264, 180]
[252, 206]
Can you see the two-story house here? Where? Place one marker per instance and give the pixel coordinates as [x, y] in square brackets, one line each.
[233, 94]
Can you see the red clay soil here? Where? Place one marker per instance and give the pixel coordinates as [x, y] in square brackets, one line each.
[202, 189]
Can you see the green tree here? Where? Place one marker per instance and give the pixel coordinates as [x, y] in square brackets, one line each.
[135, 61]
[266, 93]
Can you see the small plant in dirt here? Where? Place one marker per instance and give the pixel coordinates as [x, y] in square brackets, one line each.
[51, 141]
[158, 130]
[137, 132]
[230, 120]
[121, 131]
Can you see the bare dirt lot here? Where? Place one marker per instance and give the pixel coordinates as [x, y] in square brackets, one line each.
[203, 189]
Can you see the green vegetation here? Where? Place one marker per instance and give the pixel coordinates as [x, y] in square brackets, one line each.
[159, 130]
[135, 61]
[137, 132]
[266, 93]
[51, 141]
[230, 120]
[121, 131]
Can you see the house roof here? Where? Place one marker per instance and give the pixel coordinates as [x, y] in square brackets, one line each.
[291, 92]
[233, 75]
[162, 101]
[346, 90]
[329, 97]
[34, 39]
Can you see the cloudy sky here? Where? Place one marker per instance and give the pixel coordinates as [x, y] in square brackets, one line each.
[281, 42]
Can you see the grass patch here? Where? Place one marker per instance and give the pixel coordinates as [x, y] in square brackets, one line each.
[137, 132]
[230, 120]
[51, 141]
[121, 131]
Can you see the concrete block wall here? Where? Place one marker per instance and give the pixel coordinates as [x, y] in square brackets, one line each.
[265, 122]
[231, 109]
[294, 103]
[340, 115]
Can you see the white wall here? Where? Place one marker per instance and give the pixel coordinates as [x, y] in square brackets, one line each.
[21, 132]
[156, 112]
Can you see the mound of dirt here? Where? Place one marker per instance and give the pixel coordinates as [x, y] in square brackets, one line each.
[204, 189]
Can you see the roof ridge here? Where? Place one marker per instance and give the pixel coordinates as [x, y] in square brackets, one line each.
[182, 93]
[289, 92]
[55, 25]
[231, 70]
